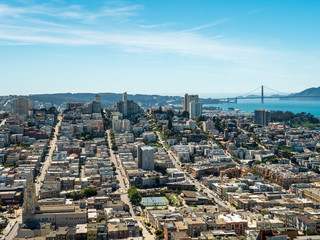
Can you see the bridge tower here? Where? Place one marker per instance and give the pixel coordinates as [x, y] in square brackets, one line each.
[262, 97]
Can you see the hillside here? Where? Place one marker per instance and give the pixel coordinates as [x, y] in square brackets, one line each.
[309, 92]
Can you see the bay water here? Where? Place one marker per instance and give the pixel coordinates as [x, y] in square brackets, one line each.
[295, 106]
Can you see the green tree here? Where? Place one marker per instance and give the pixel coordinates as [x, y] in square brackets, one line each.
[170, 126]
[310, 233]
[134, 195]
[75, 195]
[101, 219]
[170, 114]
[88, 192]
[159, 233]
[184, 114]
[217, 124]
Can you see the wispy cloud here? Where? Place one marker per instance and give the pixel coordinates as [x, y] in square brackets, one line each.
[7, 11]
[149, 26]
[22, 26]
[141, 38]
[185, 43]
[76, 12]
[215, 23]
[259, 10]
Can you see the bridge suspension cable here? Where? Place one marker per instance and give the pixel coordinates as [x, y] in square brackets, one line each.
[249, 92]
[277, 91]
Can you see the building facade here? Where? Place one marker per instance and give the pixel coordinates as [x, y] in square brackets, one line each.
[145, 158]
[262, 117]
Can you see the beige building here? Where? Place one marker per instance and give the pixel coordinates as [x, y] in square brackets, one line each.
[59, 215]
[22, 105]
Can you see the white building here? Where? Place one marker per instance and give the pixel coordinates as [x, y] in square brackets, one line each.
[192, 124]
[116, 125]
[195, 109]
[146, 158]
[126, 125]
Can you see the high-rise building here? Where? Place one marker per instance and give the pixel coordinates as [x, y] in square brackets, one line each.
[22, 105]
[187, 100]
[145, 157]
[262, 117]
[126, 125]
[97, 98]
[127, 107]
[125, 104]
[195, 109]
[116, 125]
[95, 106]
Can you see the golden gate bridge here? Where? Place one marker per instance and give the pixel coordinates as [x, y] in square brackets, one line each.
[262, 96]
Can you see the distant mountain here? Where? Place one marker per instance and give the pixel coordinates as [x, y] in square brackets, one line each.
[307, 93]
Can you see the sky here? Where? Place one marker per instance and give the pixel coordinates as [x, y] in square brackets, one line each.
[167, 47]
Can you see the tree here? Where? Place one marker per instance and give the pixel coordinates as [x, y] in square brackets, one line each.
[310, 233]
[10, 211]
[161, 169]
[168, 133]
[159, 233]
[88, 192]
[101, 219]
[170, 114]
[75, 195]
[184, 114]
[217, 124]
[134, 195]
[170, 124]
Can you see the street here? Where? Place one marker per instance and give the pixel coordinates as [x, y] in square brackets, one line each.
[48, 160]
[3, 122]
[199, 185]
[121, 177]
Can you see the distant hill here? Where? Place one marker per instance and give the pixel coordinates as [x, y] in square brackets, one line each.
[110, 99]
[107, 99]
[307, 93]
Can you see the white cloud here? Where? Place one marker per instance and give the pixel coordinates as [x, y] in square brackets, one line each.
[70, 12]
[184, 43]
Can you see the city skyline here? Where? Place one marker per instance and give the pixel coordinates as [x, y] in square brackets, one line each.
[165, 48]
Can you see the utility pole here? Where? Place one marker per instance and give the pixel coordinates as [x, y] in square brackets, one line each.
[262, 94]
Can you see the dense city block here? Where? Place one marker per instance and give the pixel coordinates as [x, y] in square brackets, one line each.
[79, 171]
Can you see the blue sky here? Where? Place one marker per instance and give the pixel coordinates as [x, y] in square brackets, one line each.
[168, 47]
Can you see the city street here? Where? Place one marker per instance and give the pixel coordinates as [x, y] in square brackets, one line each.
[199, 185]
[12, 230]
[124, 188]
[48, 160]
[3, 122]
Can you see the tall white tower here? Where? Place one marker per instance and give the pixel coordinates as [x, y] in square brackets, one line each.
[125, 104]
